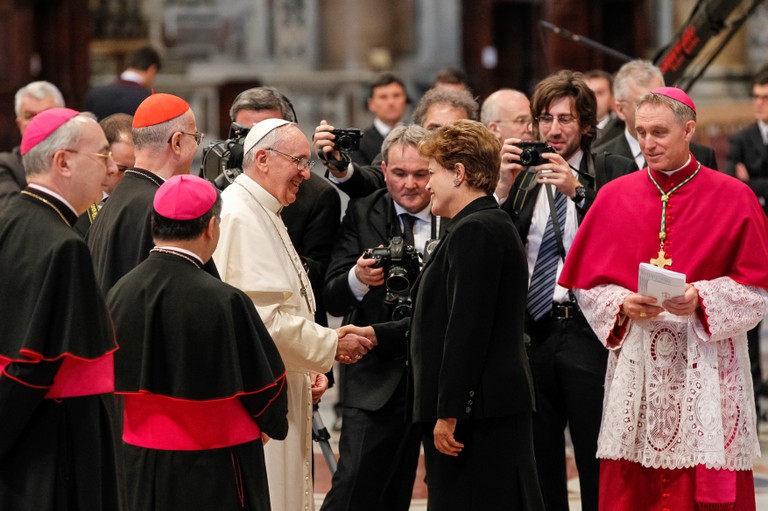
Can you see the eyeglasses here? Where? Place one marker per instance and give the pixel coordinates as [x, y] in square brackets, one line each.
[122, 168]
[106, 155]
[521, 121]
[197, 136]
[760, 97]
[563, 120]
[301, 163]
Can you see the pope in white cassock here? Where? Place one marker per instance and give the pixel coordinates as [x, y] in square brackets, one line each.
[255, 254]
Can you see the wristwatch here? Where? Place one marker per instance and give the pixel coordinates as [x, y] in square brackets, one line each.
[581, 194]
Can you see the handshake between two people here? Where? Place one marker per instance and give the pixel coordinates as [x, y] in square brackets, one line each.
[354, 343]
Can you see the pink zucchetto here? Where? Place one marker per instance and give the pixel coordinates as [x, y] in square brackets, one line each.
[677, 94]
[184, 197]
[43, 125]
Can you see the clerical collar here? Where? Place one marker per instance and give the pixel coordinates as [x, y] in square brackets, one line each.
[382, 127]
[260, 194]
[670, 172]
[425, 214]
[575, 160]
[146, 174]
[165, 249]
[53, 194]
[668, 180]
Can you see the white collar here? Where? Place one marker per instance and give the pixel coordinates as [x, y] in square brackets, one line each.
[54, 194]
[425, 214]
[634, 145]
[382, 127]
[131, 76]
[265, 198]
[763, 126]
[575, 160]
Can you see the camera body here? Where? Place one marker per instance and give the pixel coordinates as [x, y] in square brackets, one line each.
[222, 161]
[532, 151]
[401, 268]
[347, 140]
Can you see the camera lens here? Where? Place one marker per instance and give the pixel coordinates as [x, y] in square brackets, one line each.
[403, 310]
[526, 157]
[344, 143]
[397, 279]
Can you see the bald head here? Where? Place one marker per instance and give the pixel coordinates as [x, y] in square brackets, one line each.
[507, 113]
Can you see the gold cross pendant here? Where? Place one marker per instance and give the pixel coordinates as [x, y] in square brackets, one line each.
[662, 260]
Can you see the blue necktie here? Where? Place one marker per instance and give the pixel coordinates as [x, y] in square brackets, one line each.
[542, 287]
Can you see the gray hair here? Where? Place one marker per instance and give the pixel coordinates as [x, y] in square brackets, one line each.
[38, 159]
[271, 139]
[683, 113]
[38, 90]
[262, 98]
[457, 99]
[640, 72]
[410, 135]
[158, 134]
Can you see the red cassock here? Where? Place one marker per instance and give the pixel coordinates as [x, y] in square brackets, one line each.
[661, 371]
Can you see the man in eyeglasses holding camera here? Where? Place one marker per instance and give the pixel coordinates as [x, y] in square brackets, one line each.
[567, 360]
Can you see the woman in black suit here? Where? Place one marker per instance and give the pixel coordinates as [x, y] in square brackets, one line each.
[469, 381]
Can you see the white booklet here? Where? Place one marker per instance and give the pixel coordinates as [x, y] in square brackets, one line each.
[660, 283]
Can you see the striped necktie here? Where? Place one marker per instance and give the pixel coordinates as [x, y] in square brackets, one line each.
[542, 286]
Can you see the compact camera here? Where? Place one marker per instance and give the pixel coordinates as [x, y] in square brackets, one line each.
[401, 267]
[532, 151]
[347, 140]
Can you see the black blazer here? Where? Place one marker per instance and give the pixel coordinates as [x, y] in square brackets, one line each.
[368, 223]
[520, 203]
[370, 146]
[312, 222]
[619, 145]
[467, 356]
[746, 146]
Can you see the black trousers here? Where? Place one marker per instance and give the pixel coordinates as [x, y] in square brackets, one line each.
[568, 365]
[378, 455]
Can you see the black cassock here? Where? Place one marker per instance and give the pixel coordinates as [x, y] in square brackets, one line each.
[120, 236]
[198, 372]
[56, 348]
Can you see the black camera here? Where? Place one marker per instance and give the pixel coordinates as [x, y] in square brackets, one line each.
[222, 161]
[532, 151]
[347, 140]
[401, 267]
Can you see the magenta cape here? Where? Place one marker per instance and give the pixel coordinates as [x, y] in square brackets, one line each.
[715, 228]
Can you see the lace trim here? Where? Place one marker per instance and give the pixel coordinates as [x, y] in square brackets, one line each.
[675, 399]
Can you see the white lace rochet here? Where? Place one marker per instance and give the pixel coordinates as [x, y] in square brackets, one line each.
[676, 396]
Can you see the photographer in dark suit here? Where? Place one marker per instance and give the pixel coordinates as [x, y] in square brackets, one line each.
[436, 108]
[632, 81]
[567, 360]
[387, 101]
[378, 449]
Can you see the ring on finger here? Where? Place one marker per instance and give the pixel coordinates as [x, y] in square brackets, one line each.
[642, 314]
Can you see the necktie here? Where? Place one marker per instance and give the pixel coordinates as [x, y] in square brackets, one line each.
[542, 286]
[408, 221]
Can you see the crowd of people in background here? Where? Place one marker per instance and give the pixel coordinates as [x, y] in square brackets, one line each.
[170, 340]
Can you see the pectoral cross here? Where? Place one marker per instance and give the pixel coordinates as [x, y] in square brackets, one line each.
[662, 260]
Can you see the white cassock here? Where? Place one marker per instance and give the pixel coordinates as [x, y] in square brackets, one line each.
[256, 255]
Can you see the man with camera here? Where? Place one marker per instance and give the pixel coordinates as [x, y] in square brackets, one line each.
[372, 266]
[387, 101]
[436, 108]
[556, 186]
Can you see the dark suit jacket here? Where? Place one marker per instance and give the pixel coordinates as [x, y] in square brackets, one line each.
[610, 130]
[619, 145]
[371, 382]
[365, 180]
[520, 204]
[118, 97]
[467, 356]
[370, 146]
[312, 222]
[746, 146]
